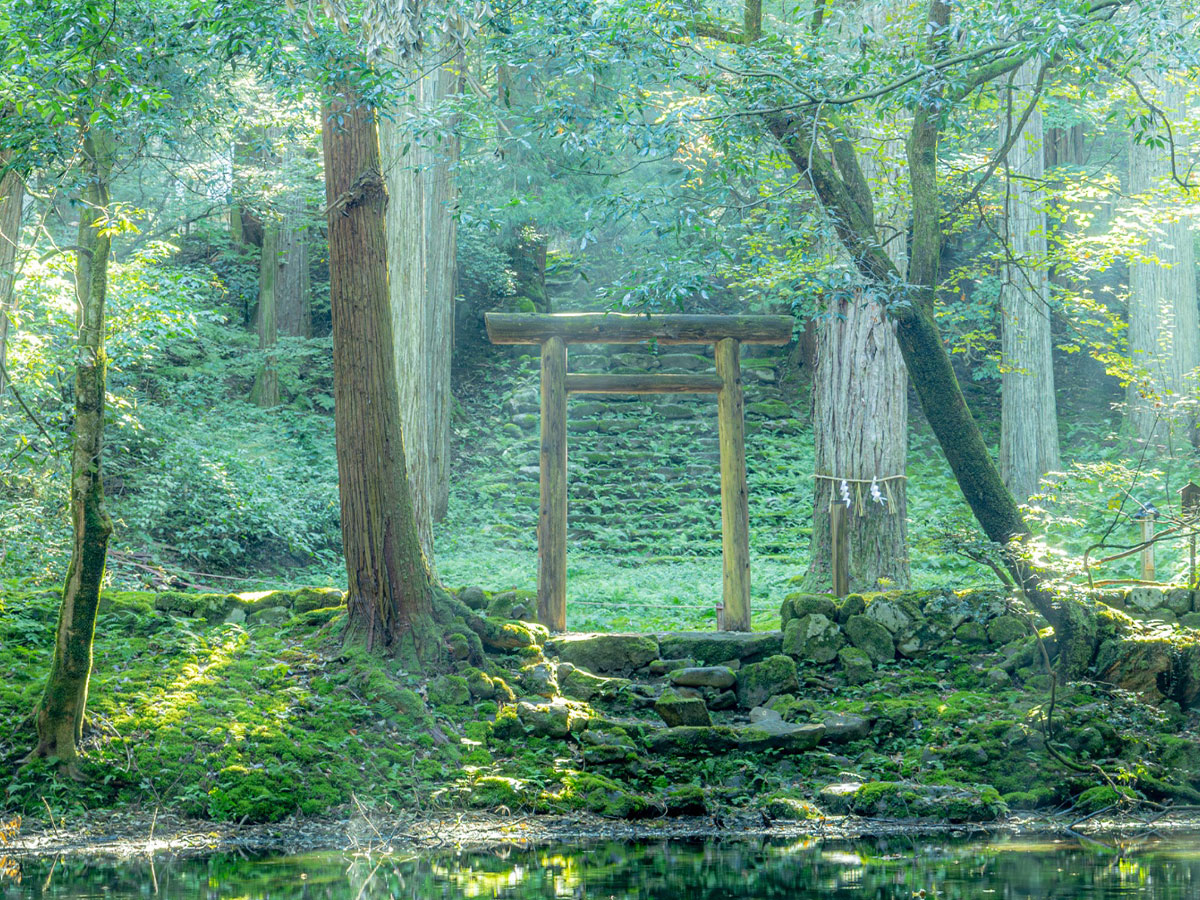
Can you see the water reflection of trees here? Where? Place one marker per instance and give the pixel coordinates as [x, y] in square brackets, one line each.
[879, 869]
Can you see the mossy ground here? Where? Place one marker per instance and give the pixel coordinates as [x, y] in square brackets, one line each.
[260, 719]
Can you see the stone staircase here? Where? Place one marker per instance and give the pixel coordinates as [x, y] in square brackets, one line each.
[643, 472]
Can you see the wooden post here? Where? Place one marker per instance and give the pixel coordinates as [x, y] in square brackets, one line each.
[735, 509]
[1148, 552]
[839, 539]
[1189, 506]
[552, 514]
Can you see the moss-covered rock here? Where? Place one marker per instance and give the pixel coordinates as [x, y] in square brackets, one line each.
[479, 683]
[520, 605]
[607, 746]
[601, 796]
[856, 665]
[580, 685]
[909, 800]
[769, 409]
[686, 800]
[801, 604]
[871, 638]
[495, 791]
[676, 709]
[1103, 796]
[971, 633]
[449, 690]
[606, 654]
[688, 741]
[1006, 629]
[474, 597]
[552, 720]
[813, 637]
[212, 607]
[307, 599]
[713, 648]
[719, 677]
[503, 636]
[539, 678]
[772, 733]
[758, 682]
[790, 809]
[853, 605]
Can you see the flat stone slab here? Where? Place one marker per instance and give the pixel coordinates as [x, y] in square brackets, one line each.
[704, 676]
[765, 735]
[712, 648]
[775, 734]
[840, 729]
[605, 654]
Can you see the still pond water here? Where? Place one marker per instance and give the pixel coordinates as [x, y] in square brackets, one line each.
[1003, 868]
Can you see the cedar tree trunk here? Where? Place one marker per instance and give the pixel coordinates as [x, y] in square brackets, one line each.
[1163, 328]
[1028, 418]
[846, 195]
[390, 590]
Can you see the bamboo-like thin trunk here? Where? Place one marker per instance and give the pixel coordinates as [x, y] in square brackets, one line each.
[12, 199]
[60, 712]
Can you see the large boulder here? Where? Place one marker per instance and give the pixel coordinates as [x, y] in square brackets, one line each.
[675, 709]
[606, 654]
[758, 682]
[814, 637]
[712, 648]
[871, 638]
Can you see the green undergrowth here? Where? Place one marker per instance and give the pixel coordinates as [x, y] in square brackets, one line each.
[249, 708]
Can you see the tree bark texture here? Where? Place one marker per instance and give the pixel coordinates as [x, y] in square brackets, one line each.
[421, 265]
[12, 200]
[390, 591]
[265, 392]
[293, 312]
[860, 426]
[1163, 328]
[60, 713]
[1028, 417]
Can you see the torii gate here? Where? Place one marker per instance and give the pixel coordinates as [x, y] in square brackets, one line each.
[553, 333]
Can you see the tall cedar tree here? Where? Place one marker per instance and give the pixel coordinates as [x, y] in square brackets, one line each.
[390, 588]
[843, 190]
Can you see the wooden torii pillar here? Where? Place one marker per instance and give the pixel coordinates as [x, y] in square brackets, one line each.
[554, 333]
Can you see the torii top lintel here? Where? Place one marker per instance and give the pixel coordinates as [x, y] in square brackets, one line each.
[630, 328]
